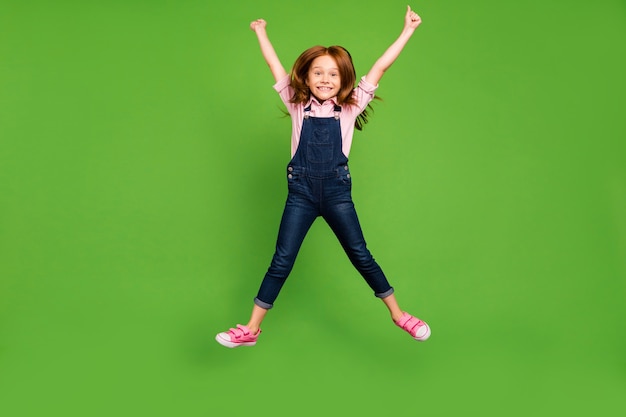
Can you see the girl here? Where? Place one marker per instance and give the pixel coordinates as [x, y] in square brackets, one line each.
[325, 108]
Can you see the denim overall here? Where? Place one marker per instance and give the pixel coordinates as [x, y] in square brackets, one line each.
[319, 184]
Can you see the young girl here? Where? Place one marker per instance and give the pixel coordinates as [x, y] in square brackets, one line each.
[325, 108]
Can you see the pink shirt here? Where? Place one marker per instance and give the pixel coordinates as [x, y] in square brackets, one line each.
[364, 93]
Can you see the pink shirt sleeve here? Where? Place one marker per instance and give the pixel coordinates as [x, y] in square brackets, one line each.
[296, 111]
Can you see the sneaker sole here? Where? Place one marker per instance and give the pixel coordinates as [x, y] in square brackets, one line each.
[230, 344]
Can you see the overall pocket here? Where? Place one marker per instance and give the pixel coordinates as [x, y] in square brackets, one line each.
[319, 152]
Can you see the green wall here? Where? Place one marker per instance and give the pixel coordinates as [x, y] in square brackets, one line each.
[142, 155]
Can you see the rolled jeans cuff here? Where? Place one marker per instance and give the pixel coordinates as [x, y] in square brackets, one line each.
[384, 294]
[263, 304]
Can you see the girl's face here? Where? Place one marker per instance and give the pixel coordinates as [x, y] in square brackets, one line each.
[323, 79]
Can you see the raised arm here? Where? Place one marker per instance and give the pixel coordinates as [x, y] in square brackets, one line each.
[411, 22]
[278, 71]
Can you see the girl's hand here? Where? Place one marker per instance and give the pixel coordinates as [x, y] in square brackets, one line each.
[412, 19]
[258, 24]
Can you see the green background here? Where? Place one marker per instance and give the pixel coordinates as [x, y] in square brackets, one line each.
[142, 155]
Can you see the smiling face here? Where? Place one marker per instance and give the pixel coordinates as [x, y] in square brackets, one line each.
[324, 79]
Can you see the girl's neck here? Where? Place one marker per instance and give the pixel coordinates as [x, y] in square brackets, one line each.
[322, 101]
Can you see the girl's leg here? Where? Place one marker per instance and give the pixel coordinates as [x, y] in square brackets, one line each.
[392, 304]
[343, 220]
[256, 318]
[298, 216]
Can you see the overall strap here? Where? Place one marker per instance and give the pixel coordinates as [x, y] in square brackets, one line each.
[307, 111]
[337, 111]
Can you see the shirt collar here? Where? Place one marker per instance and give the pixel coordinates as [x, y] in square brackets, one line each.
[312, 99]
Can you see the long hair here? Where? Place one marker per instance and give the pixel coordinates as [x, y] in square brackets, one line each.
[347, 73]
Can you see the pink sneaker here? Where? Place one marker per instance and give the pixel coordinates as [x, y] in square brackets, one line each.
[241, 336]
[414, 326]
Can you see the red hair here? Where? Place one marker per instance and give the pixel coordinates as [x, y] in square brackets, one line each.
[347, 73]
